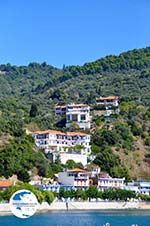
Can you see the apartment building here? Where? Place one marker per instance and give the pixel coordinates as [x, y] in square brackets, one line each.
[82, 178]
[60, 110]
[142, 187]
[65, 156]
[108, 105]
[75, 177]
[75, 113]
[57, 141]
[108, 101]
[105, 183]
[78, 113]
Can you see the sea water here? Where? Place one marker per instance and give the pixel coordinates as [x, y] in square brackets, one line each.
[81, 218]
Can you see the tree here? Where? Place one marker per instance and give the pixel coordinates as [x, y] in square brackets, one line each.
[106, 160]
[33, 111]
[61, 192]
[41, 195]
[18, 157]
[23, 175]
[70, 164]
[81, 194]
[74, 126]
[48, 197]
[92, 192]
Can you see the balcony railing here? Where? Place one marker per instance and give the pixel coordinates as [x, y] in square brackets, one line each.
[81, 178]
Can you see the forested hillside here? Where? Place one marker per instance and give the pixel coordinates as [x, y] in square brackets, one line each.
[29, 93]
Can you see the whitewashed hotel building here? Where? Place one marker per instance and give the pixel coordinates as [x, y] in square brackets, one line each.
[82, 178]
[65, 156]
[75, 177]
[77, 113]
[57, 141]
[109, 182]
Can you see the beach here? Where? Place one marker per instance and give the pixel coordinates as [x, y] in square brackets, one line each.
[83, 205]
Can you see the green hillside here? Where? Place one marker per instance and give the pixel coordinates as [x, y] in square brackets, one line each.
[29, 93]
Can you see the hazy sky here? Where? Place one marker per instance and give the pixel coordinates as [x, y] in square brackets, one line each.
[71, 32]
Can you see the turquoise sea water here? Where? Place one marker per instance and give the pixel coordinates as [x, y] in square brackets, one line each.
[81, 218]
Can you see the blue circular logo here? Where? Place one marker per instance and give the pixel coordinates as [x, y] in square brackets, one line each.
[23, 204]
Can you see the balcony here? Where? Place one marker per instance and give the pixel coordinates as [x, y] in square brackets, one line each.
[81, 178]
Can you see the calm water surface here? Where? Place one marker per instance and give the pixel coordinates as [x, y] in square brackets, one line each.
[79, 218]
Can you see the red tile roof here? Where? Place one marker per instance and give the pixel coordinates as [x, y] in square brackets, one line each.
[60, 133]
[71, 105]
[76, 170]
[108, 98]
[77, 105]
[5, 183]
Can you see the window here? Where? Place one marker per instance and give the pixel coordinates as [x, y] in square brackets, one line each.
[75, 118]
[68, 117]
[42, 136]
[83, 117]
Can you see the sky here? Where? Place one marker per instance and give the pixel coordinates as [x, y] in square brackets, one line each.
[71, 32]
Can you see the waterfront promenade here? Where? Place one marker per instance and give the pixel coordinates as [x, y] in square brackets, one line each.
[83, 205]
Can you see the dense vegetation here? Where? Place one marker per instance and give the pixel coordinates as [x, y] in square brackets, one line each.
[123, 135]
[40, 194]
[93, 193]
[29, 93]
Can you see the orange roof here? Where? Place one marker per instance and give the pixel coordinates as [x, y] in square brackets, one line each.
[48, 131]
[107, 98]
[60, 133]
[71, 105]
[78, 170]
[5, 183]
[77, 105]
[76, 134]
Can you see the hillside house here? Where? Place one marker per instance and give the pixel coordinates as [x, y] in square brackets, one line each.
[76, 177]
[60, 110]
[68, 145]
[78, 113]
[75, 113]
[108, 101]
[108, 105]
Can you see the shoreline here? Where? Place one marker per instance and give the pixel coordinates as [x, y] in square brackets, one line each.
[82, 206]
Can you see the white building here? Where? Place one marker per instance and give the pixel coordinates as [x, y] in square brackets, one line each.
[64, 157]
[132, 187]
[109, 182]
[75, 177]
[78, 113]
[109, 105]
[60, 110]
[108, 101]
[57, 141]
[142, 187]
